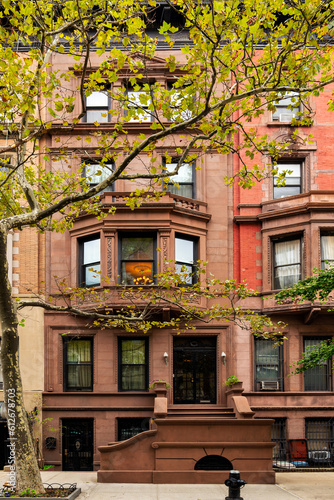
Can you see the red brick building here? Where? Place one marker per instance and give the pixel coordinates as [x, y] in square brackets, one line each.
[280, 235]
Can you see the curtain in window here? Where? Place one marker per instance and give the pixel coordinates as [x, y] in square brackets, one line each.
[287, 263]
[133, 365]
[79, 368]
[327, 250]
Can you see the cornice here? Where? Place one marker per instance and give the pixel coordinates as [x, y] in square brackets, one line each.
[288, 211]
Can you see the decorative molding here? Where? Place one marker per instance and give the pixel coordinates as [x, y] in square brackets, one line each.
[109, 257]
[165, 253]
[270, 261]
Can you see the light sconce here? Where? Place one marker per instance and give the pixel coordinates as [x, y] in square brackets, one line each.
[166, 358]
[223, 358]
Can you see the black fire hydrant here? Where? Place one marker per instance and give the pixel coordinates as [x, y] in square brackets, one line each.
[234, 484]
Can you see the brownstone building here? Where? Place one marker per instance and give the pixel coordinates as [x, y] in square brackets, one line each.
[97, 381]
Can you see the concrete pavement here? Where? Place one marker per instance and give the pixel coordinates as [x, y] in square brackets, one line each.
[289, 486]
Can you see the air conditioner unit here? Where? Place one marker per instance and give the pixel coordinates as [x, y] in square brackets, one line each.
[319, 456]
[268, 385]
[286, 117]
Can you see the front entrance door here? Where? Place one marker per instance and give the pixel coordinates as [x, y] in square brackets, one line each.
[194, 379]
[77, 444]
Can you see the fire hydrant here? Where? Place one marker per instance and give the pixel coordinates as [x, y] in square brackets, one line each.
[234, 484]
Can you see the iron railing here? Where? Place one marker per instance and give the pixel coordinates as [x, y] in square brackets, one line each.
[314, 451]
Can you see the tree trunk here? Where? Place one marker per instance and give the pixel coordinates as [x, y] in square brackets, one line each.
[22, 459]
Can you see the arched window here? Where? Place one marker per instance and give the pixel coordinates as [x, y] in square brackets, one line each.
[213, 462]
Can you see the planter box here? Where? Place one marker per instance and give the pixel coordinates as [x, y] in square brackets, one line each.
[71, 496]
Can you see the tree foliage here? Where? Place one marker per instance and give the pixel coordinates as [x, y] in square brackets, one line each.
[315, 289]
[236, 60]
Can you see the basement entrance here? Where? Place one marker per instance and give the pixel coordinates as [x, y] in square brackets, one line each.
[77, 444]
[194, 378]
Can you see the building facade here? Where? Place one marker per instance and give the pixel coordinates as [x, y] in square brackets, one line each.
[281, 234]
[97, 382]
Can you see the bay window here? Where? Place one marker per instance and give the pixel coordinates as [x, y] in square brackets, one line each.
[137, 259]
[185, 258]
[287, 262]
[327, 250]
[89, 261]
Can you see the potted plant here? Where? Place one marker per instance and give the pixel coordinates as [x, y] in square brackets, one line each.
[159, 384]
[232, 380]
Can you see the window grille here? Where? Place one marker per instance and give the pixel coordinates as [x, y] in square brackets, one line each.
[128, 427]
[320, 442]
[318, 378]
[278, 436]
[268, 366]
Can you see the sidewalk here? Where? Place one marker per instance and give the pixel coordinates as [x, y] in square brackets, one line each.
[290, 486]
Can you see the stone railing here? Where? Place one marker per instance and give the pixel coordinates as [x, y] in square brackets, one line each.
[116, 197]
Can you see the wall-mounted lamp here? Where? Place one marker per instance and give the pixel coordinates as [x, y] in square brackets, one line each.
[166, 357]
[223, 358]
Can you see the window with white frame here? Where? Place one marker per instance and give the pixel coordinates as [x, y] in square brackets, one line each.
[287, 108]
[97, 107]
[96, 173]
[89, 261]
[327, 249]
[292, 183]
[183, 182]
[287, 265]
[138, 105]
[181, 103]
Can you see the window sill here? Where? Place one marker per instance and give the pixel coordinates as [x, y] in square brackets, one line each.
[285, 124]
